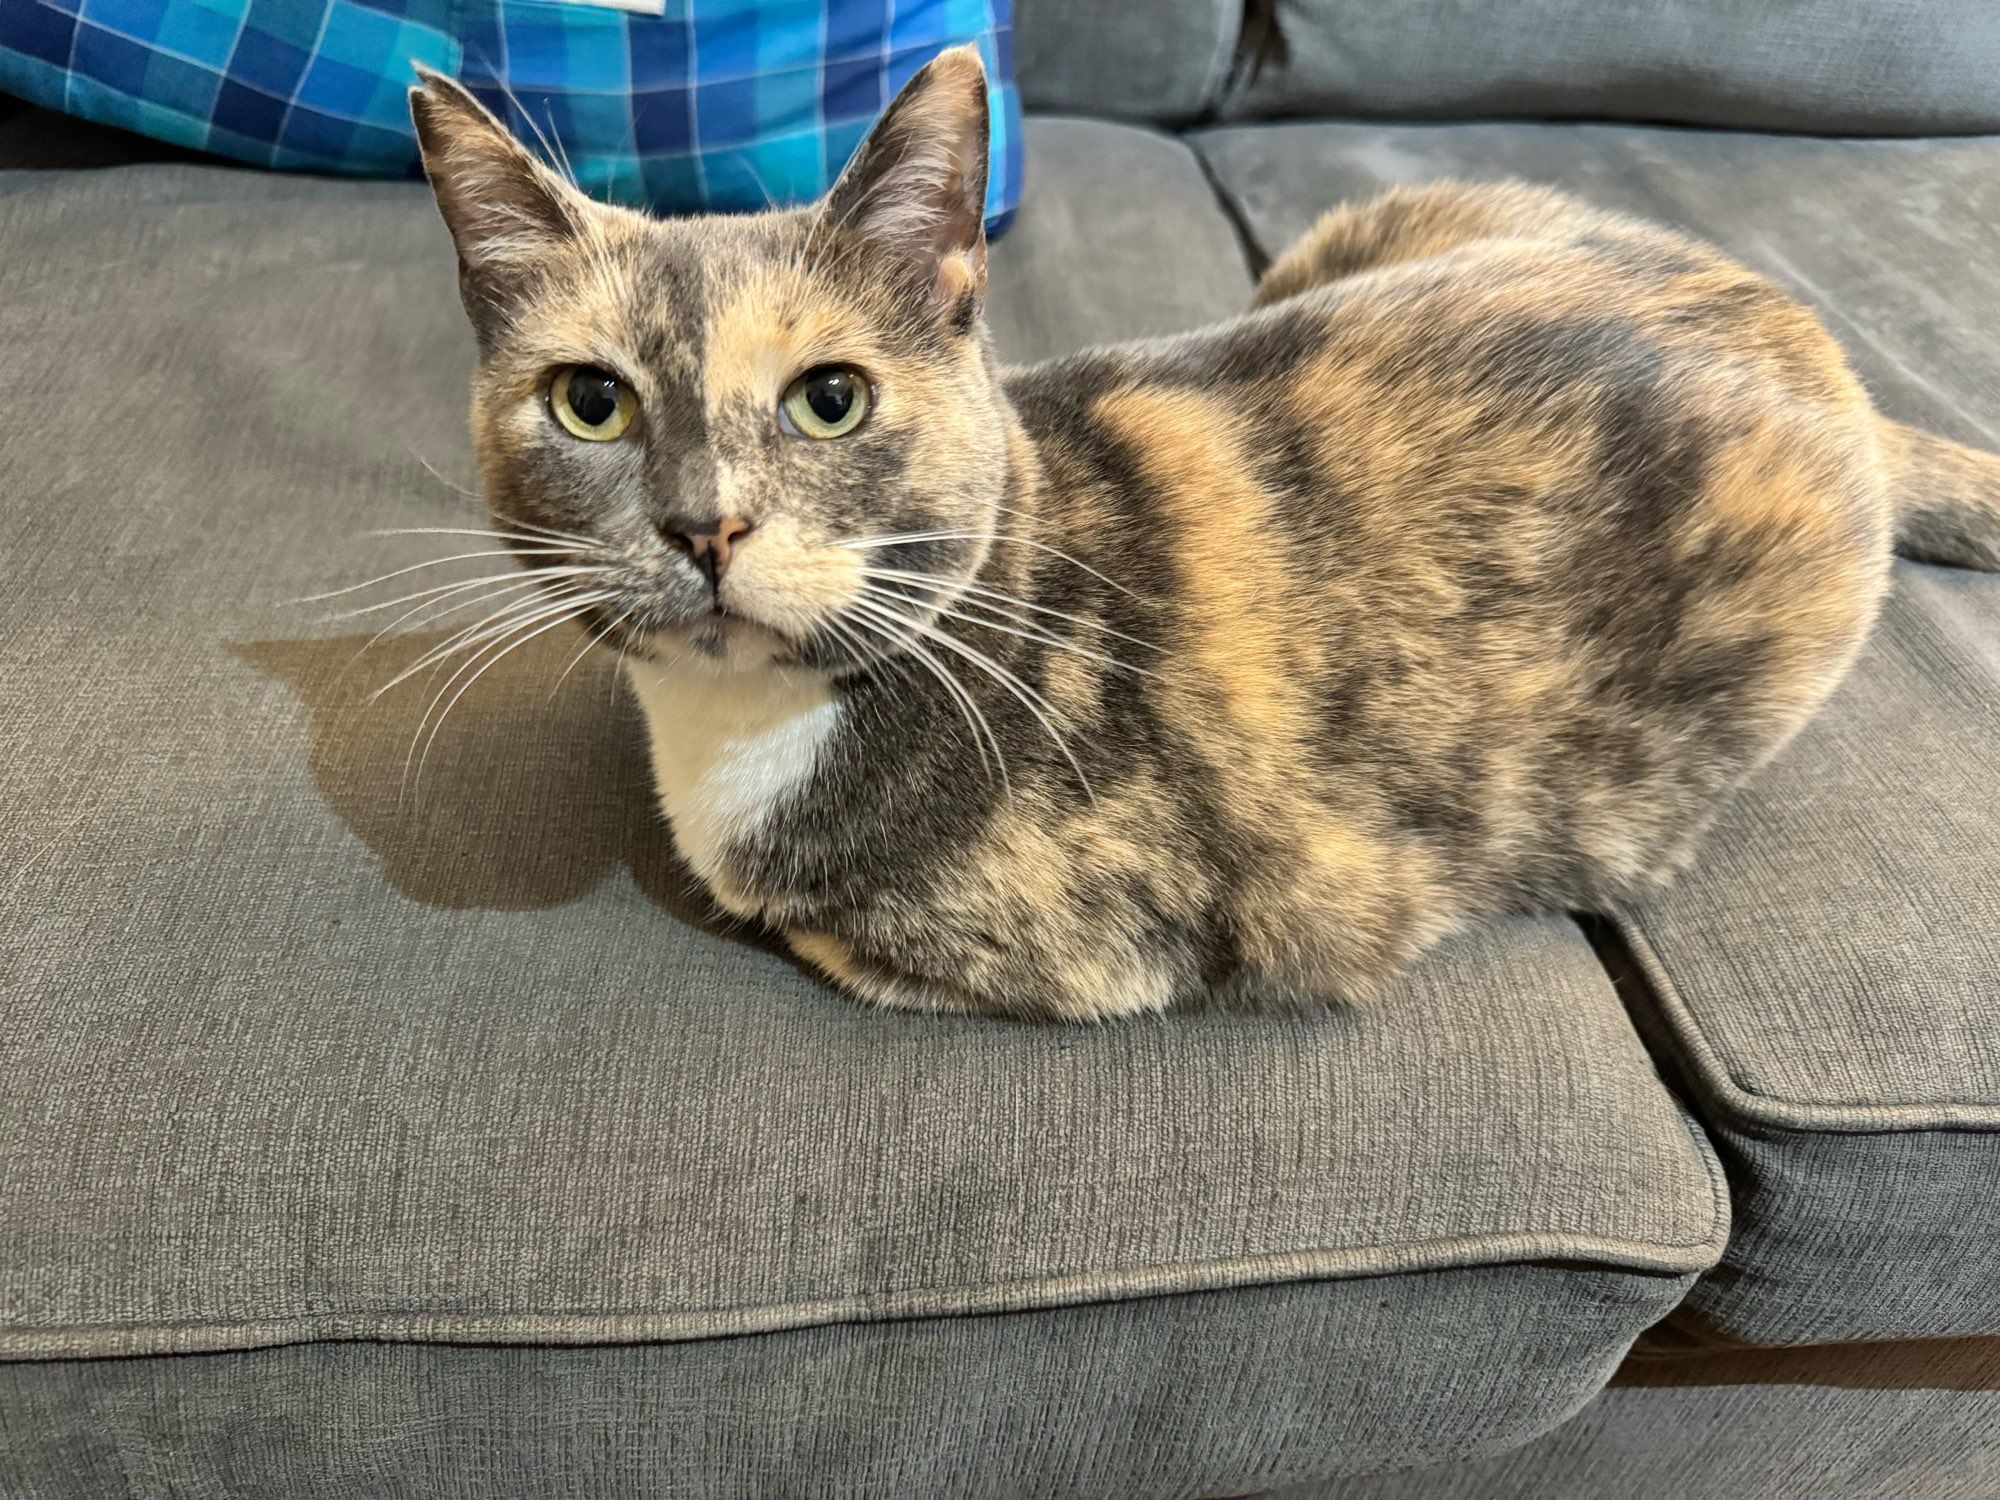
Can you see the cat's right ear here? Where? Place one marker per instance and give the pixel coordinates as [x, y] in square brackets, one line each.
[507, 212]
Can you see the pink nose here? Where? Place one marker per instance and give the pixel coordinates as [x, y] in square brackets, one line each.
[712, 545]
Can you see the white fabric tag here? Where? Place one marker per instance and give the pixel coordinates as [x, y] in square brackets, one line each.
[637, 7]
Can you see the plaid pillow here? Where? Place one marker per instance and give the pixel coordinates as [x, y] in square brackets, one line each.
[719, 104]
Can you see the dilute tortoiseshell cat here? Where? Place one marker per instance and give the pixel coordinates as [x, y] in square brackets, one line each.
[1463, 575]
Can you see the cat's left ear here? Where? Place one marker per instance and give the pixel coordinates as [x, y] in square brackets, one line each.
[916, 187]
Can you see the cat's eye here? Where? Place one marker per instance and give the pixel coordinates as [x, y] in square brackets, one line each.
[592, 404]
[828, 401]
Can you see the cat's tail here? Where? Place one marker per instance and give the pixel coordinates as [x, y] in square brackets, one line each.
[1947, 498]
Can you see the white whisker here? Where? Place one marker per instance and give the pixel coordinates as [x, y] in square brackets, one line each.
[512, 576]
[968, 707]
[870, 655]
[488, 533]
[435, 562]
[909, 537]
[1029, 699]
[983, 592]
[1025, 632]
[431, 469]
[603, 632]
[520, 636]
[438, 609]
[551, 532]
[475, 636]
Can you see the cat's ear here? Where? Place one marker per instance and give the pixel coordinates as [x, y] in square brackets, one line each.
[507, 212]
[916, 187]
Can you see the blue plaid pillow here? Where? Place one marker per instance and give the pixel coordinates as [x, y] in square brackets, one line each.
[722, 104]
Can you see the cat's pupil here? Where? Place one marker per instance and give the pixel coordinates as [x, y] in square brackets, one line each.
[593, 396]
[830, 393]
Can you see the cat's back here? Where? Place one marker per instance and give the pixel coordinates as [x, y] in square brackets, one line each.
[1468, 549]
[1597, 366]
[1514, 322]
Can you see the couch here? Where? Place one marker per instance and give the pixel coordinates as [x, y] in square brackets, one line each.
[368, 1133]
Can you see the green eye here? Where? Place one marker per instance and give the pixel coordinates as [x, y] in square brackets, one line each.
[828, 401]
[592, 404]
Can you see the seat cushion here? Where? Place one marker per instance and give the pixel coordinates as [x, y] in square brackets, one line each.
[1918, 1420]
[313, 1035]
[1828, 980]
[1209, 1393]
[1905, 67]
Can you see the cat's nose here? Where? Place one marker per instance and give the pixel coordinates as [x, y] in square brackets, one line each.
[710, 543]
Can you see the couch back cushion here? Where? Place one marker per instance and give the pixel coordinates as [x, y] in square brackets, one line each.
[1898, 67]
[1166, 61]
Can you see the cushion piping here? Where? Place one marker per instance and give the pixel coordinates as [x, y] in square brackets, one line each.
[598, 1326]
[1713, 1075]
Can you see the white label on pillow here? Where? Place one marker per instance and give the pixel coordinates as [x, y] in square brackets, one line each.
[637, 7]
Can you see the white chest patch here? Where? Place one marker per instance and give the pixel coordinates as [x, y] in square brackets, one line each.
[729, 747]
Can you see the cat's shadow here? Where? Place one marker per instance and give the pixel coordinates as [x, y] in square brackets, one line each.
[531, 794]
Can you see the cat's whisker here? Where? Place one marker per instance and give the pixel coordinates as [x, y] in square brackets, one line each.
[756, 177]
[1025, 631]
[494, 653]
[548, 148]
[432, 470]
[526, 581]
[516, 612]
[880, 620]
[553, 533]
[1001, 598]
[553, 141]
[968, 706]
[488, 533]
[435, 562]
[514, 575]
[870, 656]
[869, 543]
[478, 669]
[472, 637]
[1029, 699]
[602, 634]
[435, 609]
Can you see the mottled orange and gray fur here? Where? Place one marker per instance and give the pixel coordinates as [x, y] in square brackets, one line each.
[1463, 575]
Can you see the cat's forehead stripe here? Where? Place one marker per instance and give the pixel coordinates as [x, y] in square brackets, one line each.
[767, 323]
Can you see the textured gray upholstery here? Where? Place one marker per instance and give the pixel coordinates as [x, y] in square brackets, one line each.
[1843, 66]
[303, 1046]
[1908, 1421]
[1123, 241]
[1208, 1394]
[1829, 977]
[1830, 983]
[1167, 61]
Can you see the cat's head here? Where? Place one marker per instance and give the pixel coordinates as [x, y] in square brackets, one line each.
[715, 420]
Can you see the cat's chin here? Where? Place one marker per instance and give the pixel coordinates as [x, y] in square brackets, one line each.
[728, 642]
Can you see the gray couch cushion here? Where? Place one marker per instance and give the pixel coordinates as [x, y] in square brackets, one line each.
[1861, 66]
[1918, 1420]
[1161, 60]
[1827, 978]
[1207, 1394]
[1830, 984]
[300, 1049]
[1121, 239]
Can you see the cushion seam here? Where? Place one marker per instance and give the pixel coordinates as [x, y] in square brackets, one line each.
[1716, 1078]
[1229, 22]
[1674, 1259]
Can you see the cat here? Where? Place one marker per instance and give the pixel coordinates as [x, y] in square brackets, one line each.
[1463, 575]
